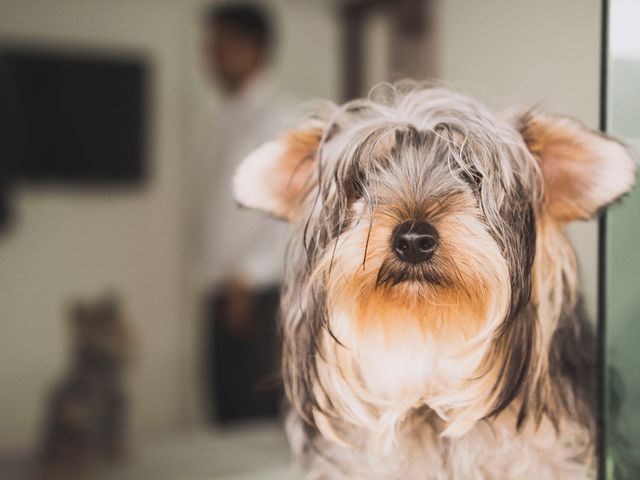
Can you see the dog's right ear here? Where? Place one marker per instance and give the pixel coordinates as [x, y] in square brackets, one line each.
[279, 175]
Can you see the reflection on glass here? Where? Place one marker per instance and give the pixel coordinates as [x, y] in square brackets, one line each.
[621, 255]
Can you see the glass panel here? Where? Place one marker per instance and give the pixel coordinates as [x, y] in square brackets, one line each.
[621, 253]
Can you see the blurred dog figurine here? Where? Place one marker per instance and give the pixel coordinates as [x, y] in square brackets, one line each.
[87, 410]
[430, 317]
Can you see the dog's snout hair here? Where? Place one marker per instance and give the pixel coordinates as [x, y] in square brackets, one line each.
[398, 362]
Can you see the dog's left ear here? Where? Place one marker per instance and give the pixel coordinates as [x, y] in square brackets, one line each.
[278, 176]
[582, 170]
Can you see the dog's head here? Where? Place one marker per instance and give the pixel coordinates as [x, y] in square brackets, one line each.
[427, 248]
[101, 337]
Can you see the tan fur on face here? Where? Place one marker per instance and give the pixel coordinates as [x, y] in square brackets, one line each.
[448, 311]
[449, 314]
[456, 309]
[437, 331]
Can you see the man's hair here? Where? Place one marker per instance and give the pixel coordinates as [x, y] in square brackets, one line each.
[250, 20]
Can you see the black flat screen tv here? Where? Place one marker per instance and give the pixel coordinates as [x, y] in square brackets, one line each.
[73, 118]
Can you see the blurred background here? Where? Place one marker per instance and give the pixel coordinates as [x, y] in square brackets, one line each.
[130, 284]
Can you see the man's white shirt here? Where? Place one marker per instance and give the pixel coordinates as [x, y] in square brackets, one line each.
[241, 243]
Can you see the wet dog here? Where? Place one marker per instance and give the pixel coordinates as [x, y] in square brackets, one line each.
[430, 309]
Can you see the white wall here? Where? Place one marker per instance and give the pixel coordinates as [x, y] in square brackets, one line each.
[72, 242]
[140, 241]
[544, 53]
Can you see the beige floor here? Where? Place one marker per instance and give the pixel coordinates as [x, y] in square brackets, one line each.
[255, 451]
[251, 452]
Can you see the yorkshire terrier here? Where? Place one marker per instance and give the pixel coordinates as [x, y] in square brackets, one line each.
[430, 310]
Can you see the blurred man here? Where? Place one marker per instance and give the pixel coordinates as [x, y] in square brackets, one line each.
[244, 251]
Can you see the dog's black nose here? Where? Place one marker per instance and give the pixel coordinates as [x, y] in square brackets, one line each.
[415, 242]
